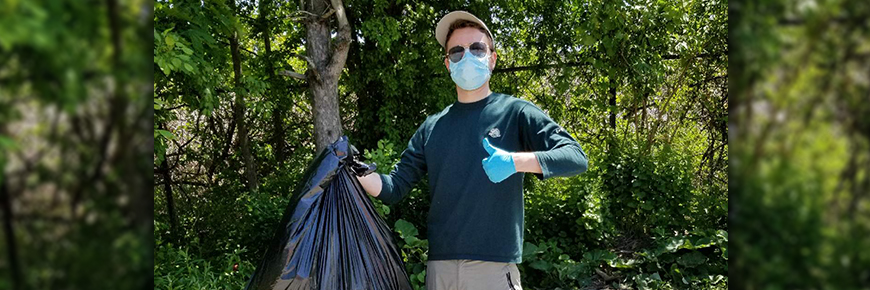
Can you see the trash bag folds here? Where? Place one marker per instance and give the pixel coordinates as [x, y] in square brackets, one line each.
[330, 236]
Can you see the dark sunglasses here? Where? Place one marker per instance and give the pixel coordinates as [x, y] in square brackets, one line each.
[477, 49]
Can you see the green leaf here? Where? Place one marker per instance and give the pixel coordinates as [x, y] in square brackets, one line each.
[170, 41]
[157, 36]
[541, 265]
[405, 229]
[599, 255]
[166, 134]
[692, 259]
[422, 277]
[529, 250]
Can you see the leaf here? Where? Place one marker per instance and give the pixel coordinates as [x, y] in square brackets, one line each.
[599, 255]
[529, 250]
[673, 244]
[422, 277]
[405, 229]
[170, 41]
[166, 134]
[623, 264]
[692, 259]
[541, 265]
[157, 36]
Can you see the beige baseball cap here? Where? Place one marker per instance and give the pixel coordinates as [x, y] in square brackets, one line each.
[444, 25]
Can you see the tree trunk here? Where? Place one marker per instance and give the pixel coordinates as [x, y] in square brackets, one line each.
[327, 67]
[221, 155]
[278, 111]
[239, 111]
[9, 233]
[612, 103]
[170, 202]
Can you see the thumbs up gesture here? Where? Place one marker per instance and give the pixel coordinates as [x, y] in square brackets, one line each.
[499, 165]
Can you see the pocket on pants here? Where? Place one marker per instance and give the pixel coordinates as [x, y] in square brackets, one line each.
[512, 276]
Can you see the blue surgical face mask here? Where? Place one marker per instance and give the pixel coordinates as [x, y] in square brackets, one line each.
[470, 72]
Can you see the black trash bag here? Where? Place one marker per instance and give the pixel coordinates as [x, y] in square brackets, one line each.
[331, 237]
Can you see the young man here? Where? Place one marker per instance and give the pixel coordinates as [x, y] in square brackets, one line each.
[472, 151]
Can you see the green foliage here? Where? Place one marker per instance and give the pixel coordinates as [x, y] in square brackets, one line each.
[181, 270]
[384, 156]
[649, 193]
[799, 207]
[73, 103]
[414, 253]
[675, 262]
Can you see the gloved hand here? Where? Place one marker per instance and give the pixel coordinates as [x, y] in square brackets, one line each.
[499, 165]
[358, 167]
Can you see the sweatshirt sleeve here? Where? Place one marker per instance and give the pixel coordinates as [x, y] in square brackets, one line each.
[557, 152]
[410, 169]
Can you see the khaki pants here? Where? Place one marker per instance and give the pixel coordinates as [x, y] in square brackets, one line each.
[472, 275]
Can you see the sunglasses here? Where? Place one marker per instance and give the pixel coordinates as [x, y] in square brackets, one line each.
[478, 49]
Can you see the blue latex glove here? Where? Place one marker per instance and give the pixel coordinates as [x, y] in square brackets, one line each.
[499, 165]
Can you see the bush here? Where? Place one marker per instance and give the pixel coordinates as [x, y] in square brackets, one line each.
[179, 269]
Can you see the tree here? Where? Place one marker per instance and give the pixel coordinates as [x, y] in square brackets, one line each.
[325, 59]
[239, 109]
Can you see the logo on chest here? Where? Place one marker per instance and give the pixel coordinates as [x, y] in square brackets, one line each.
[494, 133]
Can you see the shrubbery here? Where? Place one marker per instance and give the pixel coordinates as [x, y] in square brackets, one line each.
[637, 219]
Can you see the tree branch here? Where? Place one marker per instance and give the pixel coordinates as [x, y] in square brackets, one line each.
[182, 182]
[312, 67]
[240, 47]
[327, 15]
[342, 46]
[293, 74]
[538, 66]
[702, 55]
[578, 64]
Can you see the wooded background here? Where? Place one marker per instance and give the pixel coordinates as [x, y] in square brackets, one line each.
[246, 92]
[76, 145]
[800, 125]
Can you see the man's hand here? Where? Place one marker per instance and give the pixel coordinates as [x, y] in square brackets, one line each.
[371, 184]
[499, 165]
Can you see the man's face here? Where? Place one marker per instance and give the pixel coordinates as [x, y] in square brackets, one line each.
[466, 36]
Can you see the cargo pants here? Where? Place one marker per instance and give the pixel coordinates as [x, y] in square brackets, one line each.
[472, 275]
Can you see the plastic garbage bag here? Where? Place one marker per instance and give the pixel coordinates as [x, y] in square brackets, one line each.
[331, 237]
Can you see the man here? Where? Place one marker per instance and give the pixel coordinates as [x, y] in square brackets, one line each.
[471, 151]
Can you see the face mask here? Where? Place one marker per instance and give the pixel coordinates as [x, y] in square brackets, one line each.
[470, 72]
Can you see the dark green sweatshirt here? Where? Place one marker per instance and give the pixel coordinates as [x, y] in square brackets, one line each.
[470, 217]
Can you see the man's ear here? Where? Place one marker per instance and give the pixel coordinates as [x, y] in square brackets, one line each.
[447, 64]
[494, 58]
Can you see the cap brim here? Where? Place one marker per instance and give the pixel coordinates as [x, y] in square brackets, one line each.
[443, 26]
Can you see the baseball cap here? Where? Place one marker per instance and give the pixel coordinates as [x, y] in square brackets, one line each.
[443, 26]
